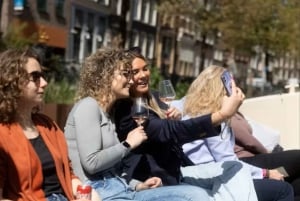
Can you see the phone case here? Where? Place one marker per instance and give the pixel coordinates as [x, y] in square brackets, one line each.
[282, 171]
[226, 79]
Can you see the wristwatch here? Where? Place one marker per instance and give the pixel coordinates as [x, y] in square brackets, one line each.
[126, 144]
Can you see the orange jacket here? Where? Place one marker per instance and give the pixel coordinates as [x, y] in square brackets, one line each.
[21, 174]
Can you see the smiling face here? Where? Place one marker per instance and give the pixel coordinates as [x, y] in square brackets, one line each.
[141, 77]
[33, 92]
[121, 83]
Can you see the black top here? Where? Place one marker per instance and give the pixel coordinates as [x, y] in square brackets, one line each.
[161, 155]
[51, 183]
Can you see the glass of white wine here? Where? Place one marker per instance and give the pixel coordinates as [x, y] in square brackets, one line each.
[166, 92]
[140, 110]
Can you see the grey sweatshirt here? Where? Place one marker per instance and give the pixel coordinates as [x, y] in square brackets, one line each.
[93, 144]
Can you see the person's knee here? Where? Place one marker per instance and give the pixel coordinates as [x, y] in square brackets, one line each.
[287, 191]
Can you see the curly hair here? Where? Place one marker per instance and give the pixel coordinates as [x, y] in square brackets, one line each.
[13, 78]
[97, 73]
[206, 92]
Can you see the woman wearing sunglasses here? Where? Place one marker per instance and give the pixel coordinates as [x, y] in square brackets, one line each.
[34, 162]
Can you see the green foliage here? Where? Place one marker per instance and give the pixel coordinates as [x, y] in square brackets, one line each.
[155, 77]
[244, 24]
[177, 7]
[181, 89]
[61, 92]
[14, 37]
[61, 88]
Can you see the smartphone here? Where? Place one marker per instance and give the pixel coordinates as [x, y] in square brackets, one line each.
[226, 79]
[282, 171]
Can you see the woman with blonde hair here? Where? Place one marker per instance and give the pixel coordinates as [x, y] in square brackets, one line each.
[205, 96]
[206, 92]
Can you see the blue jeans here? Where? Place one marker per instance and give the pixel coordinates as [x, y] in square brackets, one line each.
[56, 197]
[227, 181]
[116, 188]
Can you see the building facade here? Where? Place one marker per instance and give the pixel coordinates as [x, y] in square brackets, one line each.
[74, 29]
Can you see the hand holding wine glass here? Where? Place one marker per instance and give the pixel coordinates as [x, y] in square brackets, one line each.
[166, 91]
[140, 110]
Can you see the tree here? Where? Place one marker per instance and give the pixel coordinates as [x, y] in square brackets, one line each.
[14, 37]
[244, 24]
[271, 27]
[200, 12]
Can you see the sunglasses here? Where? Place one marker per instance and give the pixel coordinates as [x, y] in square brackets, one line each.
[36, 76]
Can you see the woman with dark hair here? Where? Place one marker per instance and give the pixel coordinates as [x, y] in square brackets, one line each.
[34, 162]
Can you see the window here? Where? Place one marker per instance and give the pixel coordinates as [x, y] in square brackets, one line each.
[143, 43]
[119, 7]
[59, 7]
[42, 6]
[150, 46]
[78, 18]
[101, 30]
[145, 11]
[89, 34]
[152, 13]
[104, 2]
[76, 43]
[136, 9]
[134, 39]
[76, 33]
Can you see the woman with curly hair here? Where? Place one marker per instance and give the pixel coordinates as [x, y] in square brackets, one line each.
[205, 96]
[34, 162]
[94, 147]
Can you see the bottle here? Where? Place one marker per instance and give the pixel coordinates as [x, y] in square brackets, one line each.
[84, 191]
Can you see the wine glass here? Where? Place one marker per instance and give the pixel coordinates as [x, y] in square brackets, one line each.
[166, 92]
[140, 110]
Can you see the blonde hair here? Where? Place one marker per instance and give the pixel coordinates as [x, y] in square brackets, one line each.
[97, 74]
[153, 105]
[206, 92]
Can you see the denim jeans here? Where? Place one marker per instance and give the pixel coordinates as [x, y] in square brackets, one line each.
[56, 197]
[227, 181]
[115, 188]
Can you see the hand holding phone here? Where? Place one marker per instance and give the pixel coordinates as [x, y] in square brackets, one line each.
[226, 79]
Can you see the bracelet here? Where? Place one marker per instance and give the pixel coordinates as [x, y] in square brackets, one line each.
[265, 173]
